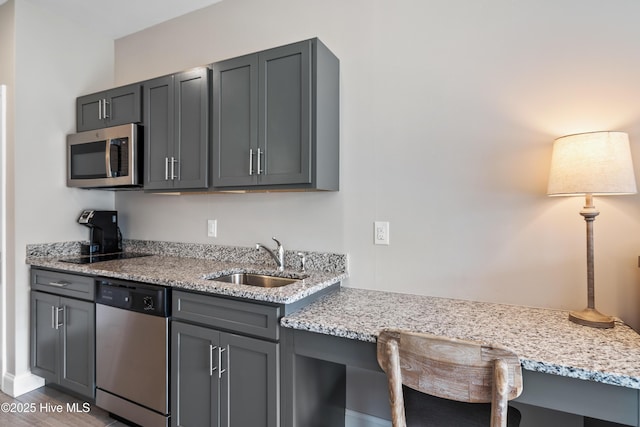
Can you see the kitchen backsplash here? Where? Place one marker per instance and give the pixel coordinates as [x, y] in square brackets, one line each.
[317, 261]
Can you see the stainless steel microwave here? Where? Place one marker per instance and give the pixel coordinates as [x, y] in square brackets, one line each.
[107, 158]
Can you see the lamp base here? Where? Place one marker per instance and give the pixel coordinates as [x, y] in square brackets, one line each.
[591, 317]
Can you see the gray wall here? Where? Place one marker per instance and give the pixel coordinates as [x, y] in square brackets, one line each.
[449, 109]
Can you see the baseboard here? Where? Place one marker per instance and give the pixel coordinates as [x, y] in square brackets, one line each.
[358, 419]
[14, 386]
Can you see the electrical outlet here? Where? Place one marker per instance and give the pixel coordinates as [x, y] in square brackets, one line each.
[381, 233]
[212, 228]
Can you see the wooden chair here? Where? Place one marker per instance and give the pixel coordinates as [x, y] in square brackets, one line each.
[458, 370]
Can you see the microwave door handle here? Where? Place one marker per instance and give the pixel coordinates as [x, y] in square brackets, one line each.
[108, 159]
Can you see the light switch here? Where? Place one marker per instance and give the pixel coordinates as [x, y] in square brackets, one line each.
[212, 228]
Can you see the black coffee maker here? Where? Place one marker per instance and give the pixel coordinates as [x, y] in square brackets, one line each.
[104, 234]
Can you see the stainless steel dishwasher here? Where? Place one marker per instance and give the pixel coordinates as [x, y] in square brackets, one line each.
[132, 351]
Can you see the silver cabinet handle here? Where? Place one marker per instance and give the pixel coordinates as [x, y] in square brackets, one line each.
[220, 370]
[59, 283]
[55, 317]
[102, 109]
[211, 367]
[250, 161]
[173, 168]
[259, 162]
[166, 169]
[59, 322]
[173, 162]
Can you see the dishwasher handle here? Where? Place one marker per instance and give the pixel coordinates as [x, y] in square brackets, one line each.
[154, 300]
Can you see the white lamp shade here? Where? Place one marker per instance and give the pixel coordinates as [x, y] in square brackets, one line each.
[592, 163]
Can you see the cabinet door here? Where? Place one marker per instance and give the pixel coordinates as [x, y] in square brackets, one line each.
[114, 107]
[89, 112]
[251, 380]
[158, 132]
[45, 345]
[285, 114]
[235, 122]
[194, 386]
[124, 105]
[191, 148]
[77, 370]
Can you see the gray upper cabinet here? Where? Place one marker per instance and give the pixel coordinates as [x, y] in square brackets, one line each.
[158, 132]
[176, 131]
[235, 122]
[276, 119]
[284, 109]
[113, 107]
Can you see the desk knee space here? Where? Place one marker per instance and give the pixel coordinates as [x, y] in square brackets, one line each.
[330, 355]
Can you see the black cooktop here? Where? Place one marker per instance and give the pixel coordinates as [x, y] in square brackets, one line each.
[89, 259]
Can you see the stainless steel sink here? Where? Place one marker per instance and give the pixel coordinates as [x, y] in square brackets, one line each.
[251, 279]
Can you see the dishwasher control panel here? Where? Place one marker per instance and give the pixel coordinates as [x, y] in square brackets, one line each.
[140, 297]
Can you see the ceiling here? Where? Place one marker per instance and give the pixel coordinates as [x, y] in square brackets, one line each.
[118, 18]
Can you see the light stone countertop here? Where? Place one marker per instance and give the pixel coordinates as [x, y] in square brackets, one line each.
[545, 340]
[187, 266]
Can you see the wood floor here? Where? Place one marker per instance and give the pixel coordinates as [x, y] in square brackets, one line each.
[48, 407]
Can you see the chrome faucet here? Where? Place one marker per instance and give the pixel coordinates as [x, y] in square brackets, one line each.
[279, 258]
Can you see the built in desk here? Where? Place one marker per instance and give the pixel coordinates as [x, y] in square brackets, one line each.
[566, 367]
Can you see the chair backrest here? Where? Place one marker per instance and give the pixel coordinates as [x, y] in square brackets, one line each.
[459, 370]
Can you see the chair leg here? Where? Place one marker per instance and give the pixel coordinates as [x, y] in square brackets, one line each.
[500, 398]
[394, 376]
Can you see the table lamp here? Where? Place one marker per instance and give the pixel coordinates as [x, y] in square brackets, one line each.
[588, 164]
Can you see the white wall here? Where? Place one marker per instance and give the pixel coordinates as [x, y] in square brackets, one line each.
[448, 113]
[7, 78]
[54, 63]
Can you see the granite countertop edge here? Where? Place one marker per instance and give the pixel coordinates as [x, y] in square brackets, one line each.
[544, 339]
[614, 363]
[191, 274]
[527, 364]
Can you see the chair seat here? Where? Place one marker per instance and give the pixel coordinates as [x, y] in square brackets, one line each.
[423, 410]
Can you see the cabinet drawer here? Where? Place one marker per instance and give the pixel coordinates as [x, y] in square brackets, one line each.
[237, 316]
[72, 285]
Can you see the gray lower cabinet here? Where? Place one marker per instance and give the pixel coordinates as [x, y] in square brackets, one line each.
[63, 342]
[113, 107]
[276, 119]
[220, 377]
[176, 134]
